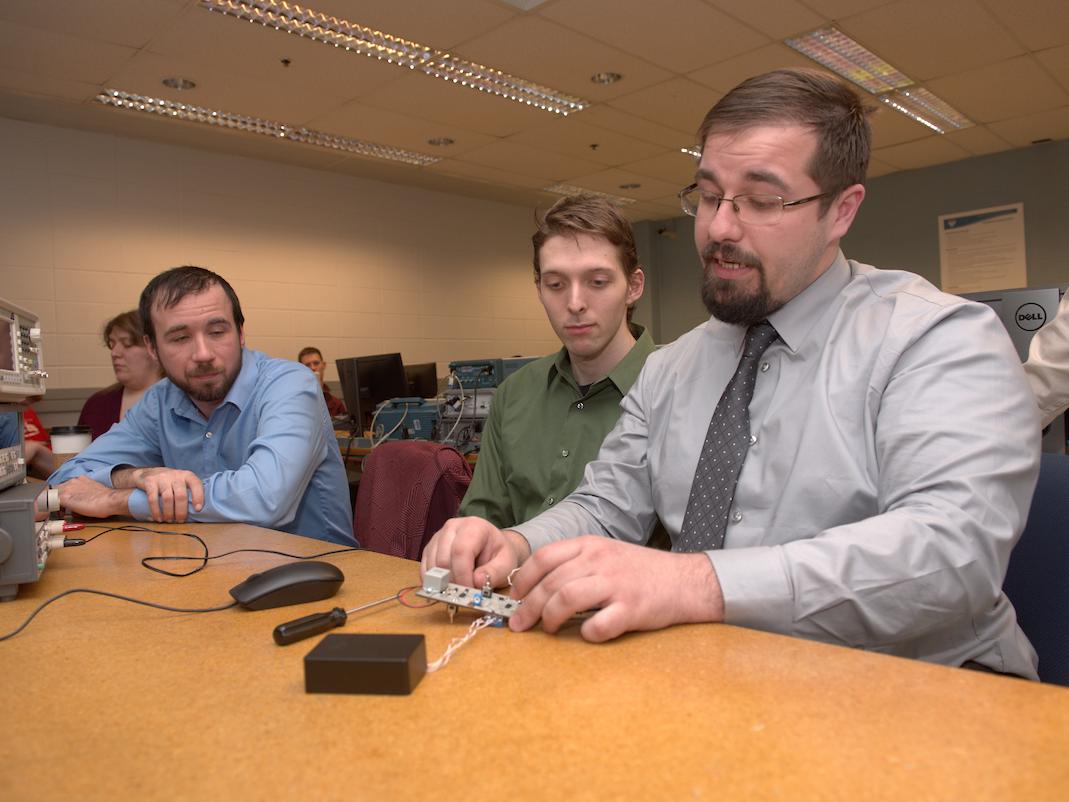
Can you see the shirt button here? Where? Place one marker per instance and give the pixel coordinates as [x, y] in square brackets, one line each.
[208, 435]
[736, 516]
[550, 500]
[579, 405]
[764, 367]
[753, 439]
[564, 453]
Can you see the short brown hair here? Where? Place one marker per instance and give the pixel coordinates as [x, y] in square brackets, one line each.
[311, 349]
[586, 214]
[127, 321]
[808, 97]
[171, 286]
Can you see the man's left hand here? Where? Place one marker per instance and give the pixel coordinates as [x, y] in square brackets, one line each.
[630, 587]
[83, 496]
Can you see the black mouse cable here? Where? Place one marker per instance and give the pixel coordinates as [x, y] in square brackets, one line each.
[147, 562]
[119, 596]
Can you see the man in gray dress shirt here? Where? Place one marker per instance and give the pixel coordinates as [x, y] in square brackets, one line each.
[894, 443]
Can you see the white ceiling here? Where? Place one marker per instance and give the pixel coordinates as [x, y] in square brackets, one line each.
[1004, 63]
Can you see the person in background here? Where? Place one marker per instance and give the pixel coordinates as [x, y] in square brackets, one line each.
[136, 369]
[548, 419]
[230, 435]
[312, 359]
[1047, 367]
[839, 453]
[37, 445]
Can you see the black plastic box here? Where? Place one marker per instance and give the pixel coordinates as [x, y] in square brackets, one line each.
[389, 664]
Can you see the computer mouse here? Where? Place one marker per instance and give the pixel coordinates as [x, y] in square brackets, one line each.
[291, 583]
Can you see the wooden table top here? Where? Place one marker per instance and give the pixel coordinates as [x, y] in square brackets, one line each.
[103, 699]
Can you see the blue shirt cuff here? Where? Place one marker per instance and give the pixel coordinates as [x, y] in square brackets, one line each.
[138, 504]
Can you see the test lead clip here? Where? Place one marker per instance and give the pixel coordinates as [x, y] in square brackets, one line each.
[309, 625]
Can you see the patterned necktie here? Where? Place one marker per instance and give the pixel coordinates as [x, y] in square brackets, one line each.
[726, 444]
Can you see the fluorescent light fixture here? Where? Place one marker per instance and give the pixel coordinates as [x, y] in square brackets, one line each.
[691, 150]
[224, 119]
[341, 33]
[927, 109]
[845, 57]
[570, 189]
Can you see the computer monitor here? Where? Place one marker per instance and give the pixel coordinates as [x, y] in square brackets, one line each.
[367, 381]
[422, 379]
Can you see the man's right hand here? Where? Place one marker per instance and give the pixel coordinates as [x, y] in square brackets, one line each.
[474, 550]
[170, 491]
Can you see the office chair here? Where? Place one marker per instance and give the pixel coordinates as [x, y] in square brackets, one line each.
[408, 489]
[1037, 581]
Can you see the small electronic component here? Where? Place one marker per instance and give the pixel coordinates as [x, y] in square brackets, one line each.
[437, 587]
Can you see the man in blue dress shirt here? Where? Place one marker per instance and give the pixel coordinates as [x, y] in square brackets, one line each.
[229, 435]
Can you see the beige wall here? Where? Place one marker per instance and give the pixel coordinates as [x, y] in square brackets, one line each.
[350, 266]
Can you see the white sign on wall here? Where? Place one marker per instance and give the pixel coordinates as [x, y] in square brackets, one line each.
[982, 249]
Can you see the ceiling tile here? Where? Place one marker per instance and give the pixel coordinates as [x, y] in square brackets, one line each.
[572, 136]
[216, 46]
[449, 103]
[121, 22]
[1021, 131]
[1011, 88]
[978, 140]
[776, 18]
[1056, 61]
[728, 74]
[674, 34]
[1037, 23]
[837, 9]
[491, 175]
[400, 130]
[926, 39]
[521, 46]
[526, 160]
[677, 169]
[878, 168]
[680, 103]
[43, 85]
[619, 121]
[57, 55]
[922, 153]
[610, 181]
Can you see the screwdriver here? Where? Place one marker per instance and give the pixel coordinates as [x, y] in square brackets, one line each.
[301, 628]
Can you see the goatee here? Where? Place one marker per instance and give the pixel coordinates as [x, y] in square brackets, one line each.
[724, 298]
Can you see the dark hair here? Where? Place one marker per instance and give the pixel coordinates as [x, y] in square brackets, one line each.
[809, 97]
[309, 350]
[171, 286]
[127, 321]
[586, 214]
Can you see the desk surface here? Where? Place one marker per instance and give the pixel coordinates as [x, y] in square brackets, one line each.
[102, 699]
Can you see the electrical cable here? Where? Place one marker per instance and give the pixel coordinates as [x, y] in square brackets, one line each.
[460, 412]
[386, 436]
[119, 596]
[206, 557]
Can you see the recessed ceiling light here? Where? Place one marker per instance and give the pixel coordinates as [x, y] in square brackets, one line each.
[180, 84]
[358, 38]
[224, 119]
[570, 189]
[631, 185]
[440, 141]
[691, 150]
[927, 109]
[605, 78]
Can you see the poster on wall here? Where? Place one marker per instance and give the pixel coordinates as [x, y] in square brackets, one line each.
[982, 249]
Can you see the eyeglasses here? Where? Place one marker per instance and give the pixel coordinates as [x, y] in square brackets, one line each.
[757, 210]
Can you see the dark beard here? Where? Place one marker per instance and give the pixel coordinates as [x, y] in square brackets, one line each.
[723, 298]
[206, 393]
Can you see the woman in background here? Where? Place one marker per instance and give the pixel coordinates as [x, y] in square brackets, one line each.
[135, 369]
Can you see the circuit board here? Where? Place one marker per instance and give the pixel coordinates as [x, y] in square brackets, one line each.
[437, 587]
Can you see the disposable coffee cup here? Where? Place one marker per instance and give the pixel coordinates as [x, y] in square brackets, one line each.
[70, 439]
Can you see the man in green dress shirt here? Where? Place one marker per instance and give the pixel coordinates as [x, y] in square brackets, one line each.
[548, 419]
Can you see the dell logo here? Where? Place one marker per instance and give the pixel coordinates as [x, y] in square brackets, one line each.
[1030, 316]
